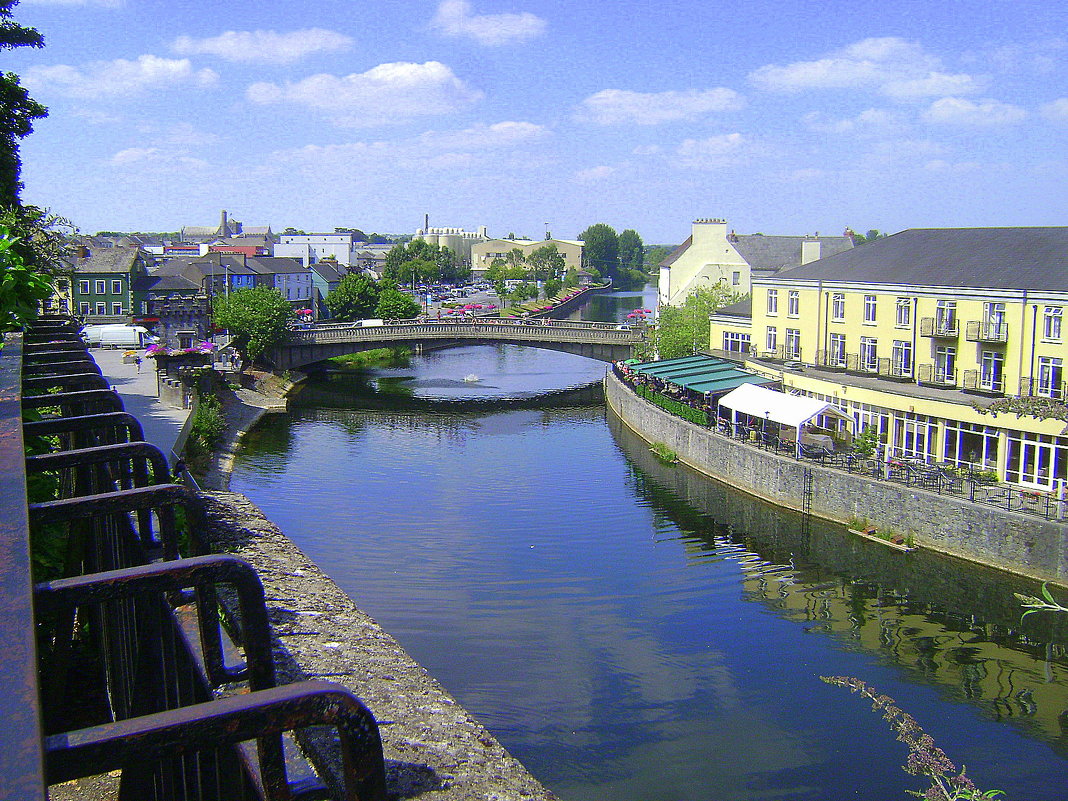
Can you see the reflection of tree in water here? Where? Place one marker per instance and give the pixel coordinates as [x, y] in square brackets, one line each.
[271, 437]
[949, 623]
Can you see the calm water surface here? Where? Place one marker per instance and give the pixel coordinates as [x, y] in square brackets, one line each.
[631, 630]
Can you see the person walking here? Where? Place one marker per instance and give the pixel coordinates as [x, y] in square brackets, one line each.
[137, 361]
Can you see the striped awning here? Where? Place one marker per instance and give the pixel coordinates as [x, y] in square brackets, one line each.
[700, 374]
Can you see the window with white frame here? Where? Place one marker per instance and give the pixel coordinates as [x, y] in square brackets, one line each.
[116, 309]
[1051, 323]
[946, 315]
[793, 343]
[869, 308]
[869, 354]
[904, 312]
[793, 303]
[994, 319]
[83, 308]
[735, 342]
[1036, 459]
[101, 309]
[736, 278]
[101, 287]
[838, 306]
[772, 339]
[946, 365]
[992, 371]
[836, 356]
[773, 301]
[116, 286]
[1051, 377]
[901, 358]
[970, 445]
[83, 287]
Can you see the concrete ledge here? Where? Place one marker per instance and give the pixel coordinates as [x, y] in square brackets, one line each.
[434, 749]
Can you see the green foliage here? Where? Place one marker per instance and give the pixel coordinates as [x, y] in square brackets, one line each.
[1031, 406]
[601, 247]
[552, 286]
[866, 441]
[1047, 603]
[683, 410]
[258, 318]
[17, 109]
[546, 263]
[571, 277]
[420, 260]
[396, 305]
[871, 236]
[355, 298]
[664, 453]
[22, 289]
[683, 330]
[654, 255]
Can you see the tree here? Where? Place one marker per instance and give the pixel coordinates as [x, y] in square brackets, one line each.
[258, 318]
[291, 231]
[21, 287]
[602, 249]
[682, 330]
[17, 109]
[871, 236]
[631, 251]
[396, 305]
[546, 262]
[355, 298]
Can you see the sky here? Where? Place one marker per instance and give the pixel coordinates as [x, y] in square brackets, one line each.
[529, 116]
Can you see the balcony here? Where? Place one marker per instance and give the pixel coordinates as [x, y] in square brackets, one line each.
[831, 360]
[975, 381]
[939, 327]
[987, 331]
[935, 375]
[1031, 387]
[856, 363]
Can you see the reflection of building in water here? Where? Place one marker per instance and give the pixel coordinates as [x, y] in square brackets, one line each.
[993, 670]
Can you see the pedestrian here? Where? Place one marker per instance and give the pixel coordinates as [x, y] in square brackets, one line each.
[137, 361]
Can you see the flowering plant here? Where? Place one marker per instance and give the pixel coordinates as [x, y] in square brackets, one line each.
[152, 351]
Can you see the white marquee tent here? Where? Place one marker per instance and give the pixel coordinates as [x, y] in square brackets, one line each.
[770, 404]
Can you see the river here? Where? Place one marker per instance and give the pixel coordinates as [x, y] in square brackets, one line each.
[631, 630]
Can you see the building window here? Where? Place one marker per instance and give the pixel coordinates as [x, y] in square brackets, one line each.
[904, 312]
[946, 315]
[793, 343]
[793, 303]
[83, 287]
[992, 371]
[1051, 323]
[734, 342]
[736, 278]
[901, 358]
[838, 307]
[869, 308]
[101, 287]
[116, 287]
[101, 309]
[869, 354]
[994, 320]
[1051, 377]
[83, 308]
[772, 340]
[1036, 459]
[773, 301]
[946, 365]
[837, 355]
[970, 445]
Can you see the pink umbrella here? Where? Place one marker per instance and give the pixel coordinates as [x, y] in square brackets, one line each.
[470, 306]
[491, 306]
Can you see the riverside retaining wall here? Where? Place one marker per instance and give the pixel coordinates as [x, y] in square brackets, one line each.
[986, 534]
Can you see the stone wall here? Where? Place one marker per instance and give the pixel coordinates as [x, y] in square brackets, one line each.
[978, 532]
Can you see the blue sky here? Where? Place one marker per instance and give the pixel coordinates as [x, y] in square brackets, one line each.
[785, 118]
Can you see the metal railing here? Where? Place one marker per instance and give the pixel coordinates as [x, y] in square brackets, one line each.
[976, 381]
[131, 654]
[1056, 390]
[986, 331]
[935, 375]
[939, 327]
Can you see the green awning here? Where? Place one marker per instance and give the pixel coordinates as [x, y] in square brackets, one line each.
[700, 373]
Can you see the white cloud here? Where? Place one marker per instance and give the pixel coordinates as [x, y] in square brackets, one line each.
[714, 152]
[593, 175]
[156, 159]
[434, 150]
[617, 106]
[890, 65]
[454, 18]
[118, 78]
[386, 93]
[960, 111]
[264, 46]
[1057, 111]
[872, 121]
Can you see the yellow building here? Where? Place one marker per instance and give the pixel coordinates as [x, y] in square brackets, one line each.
[483, 254]
[910, 333]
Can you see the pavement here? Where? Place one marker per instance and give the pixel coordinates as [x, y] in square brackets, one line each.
[139, 394]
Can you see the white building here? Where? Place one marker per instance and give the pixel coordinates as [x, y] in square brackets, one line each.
[312, 248]
[457, 240]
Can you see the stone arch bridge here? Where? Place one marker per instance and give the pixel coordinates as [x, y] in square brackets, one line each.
[603, 341]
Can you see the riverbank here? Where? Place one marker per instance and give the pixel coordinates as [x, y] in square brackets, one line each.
[1005, 540]
[433, 748]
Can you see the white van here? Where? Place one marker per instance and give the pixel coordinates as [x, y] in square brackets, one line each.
[118, 336]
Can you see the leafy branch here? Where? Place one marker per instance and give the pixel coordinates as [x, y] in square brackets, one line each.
[1046, 603]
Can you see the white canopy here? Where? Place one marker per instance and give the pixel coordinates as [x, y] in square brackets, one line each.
[769, 404]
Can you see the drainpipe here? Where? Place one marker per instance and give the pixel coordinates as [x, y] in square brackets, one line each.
[1034, 332]
[820, 327]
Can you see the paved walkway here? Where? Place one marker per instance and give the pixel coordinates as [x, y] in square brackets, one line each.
[161, 423]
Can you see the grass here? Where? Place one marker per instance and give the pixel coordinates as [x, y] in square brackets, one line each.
[379, 357]
[664, 453]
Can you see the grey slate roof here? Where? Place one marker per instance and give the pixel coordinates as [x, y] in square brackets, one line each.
[992, 258]
[272, 265]
[673, 255]
[108, 260]
[775, 253]
[743, 308]
[329, 271]
[165, 283]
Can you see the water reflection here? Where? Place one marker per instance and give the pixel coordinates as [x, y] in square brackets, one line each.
[631, 630]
